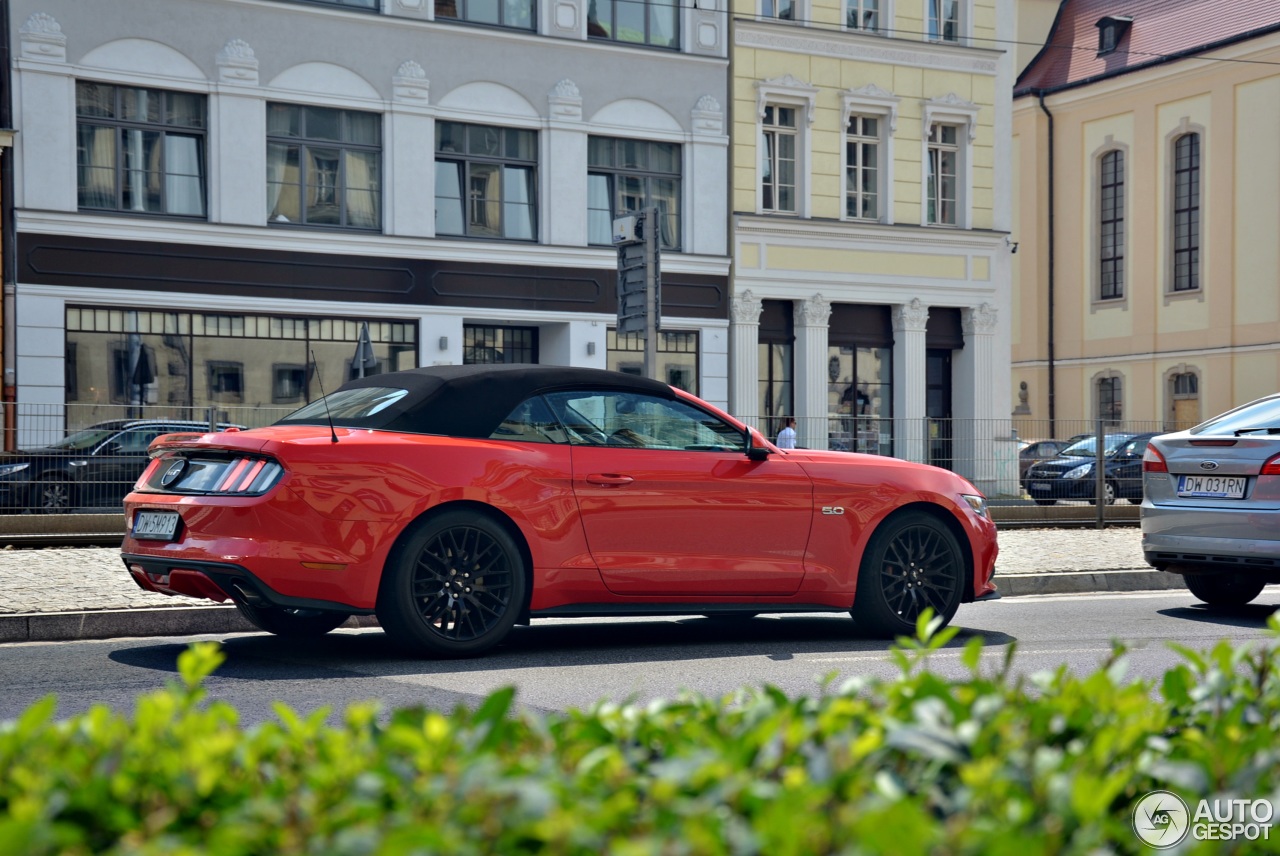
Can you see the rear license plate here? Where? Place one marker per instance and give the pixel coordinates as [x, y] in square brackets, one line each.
[1219, 487]
[155, 525]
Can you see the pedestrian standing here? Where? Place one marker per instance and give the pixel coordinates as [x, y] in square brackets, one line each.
[787, 436]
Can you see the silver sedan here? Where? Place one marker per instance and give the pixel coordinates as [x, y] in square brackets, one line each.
[1212, 503]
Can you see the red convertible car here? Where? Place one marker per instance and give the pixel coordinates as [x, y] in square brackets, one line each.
[455, 502]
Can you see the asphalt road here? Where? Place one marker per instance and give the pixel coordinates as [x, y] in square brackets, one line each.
[573, 663]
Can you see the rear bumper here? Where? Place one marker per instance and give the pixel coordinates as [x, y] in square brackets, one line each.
[220, 582]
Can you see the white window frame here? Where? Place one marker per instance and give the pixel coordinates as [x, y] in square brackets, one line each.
[787, 91]
[964, 22]
[884, 17]
[799, 11]
[950, 109]
[871, 100]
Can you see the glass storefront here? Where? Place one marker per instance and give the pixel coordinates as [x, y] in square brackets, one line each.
[860, 379]
[151, 361]
[677, 357]
[777, 368]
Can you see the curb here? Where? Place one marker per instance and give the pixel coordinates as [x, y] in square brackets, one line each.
[196, 620]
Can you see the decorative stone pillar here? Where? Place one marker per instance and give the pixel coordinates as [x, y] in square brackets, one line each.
[977, 423]
[237, 190]
[909, 379]
[566, 169]
[810, 380]
[744, 356]
[412, 153]
[46, 147]
[706, 231]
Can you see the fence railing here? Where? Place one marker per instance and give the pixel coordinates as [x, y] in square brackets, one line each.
[98, 467]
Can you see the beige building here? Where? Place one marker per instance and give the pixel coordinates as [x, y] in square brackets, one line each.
[870, 199]
[1147, 280]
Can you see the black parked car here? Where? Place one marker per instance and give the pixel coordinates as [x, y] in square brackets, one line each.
[1071, 475]
[93, 467]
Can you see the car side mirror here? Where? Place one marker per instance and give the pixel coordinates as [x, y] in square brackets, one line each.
[757, 449]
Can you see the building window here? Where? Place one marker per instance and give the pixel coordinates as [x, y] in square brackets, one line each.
[944, 20]
[862, 15]
[226, 381]
[1110, 402]
[140, 150]
[486, 181]
[642, 22]
[1111, 222]
[862, 168]
[778, 160]
[324, 167]
[1111, 30]
[783, 10]
[1186, 213]
[677, 357]
[625, 176]
[492, 344]
[507, 13]
[776, 352]
[289, 381]
[944, 157]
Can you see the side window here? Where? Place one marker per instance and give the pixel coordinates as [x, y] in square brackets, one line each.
[626, 419]
[135, 441]
[530, 422]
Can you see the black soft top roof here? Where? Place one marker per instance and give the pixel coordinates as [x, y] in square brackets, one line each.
[472, 401]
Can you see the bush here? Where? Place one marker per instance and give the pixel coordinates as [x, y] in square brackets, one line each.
[986, 765]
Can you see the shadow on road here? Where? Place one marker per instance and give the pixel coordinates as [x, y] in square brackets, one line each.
[564, 643]
[1249, 615]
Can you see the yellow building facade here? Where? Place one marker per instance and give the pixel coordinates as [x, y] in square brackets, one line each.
[1147, 285]
[871, 210]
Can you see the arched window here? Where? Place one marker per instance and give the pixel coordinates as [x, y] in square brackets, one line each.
[1110, 399]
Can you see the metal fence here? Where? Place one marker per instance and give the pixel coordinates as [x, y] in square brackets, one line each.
[105, 452]
[997, 456]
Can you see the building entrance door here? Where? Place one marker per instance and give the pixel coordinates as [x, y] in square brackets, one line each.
[938, 406]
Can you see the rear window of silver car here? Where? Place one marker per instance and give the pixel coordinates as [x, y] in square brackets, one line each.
[1261, 416]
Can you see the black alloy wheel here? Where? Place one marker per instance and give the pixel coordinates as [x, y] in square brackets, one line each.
[454, 588]
[1224, 589]
[52, 494]
[912, 562]
[291, 623]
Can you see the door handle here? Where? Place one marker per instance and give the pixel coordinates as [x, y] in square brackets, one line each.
[609, 480]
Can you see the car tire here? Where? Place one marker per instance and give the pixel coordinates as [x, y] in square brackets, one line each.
[1224, 589]
[912, 562]
[1109, 493]
[52, 494]
[454, 587]
[1039, 501]
[291, 623]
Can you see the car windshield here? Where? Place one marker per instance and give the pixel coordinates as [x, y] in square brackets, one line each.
[86, 439]
[348, 404]
[1261, 416]
[1087, 448]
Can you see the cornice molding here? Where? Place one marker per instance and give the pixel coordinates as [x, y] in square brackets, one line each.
[946, 240]
[876, 49]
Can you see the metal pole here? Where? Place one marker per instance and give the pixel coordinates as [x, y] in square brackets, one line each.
[1099, 475]
[651, 309]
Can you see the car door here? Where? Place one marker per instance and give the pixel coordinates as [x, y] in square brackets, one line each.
[110, 472]
[672, 506]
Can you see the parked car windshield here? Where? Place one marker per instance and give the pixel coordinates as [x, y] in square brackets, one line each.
[86, 439]
[1086, 448]
[1257, 416]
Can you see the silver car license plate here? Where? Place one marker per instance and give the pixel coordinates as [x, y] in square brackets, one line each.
[1218, 487]
[155, 525]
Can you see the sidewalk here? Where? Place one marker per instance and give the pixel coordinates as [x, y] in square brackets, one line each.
[86, 593]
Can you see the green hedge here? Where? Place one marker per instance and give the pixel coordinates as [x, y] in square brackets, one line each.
[989, 764]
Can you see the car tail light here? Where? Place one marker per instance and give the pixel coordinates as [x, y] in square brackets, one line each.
[1271, 467]
[236, 475]
[1153, 461]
